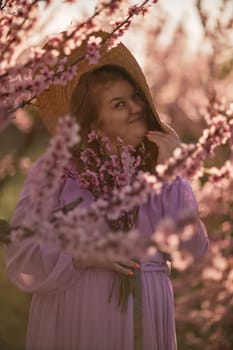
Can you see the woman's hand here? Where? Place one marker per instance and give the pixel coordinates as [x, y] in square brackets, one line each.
[122, 265]
[167, 143]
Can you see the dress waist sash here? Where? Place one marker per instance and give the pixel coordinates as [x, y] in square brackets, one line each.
[157, 266]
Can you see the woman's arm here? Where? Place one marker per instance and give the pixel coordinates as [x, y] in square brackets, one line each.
[178, 196]
[31, 265]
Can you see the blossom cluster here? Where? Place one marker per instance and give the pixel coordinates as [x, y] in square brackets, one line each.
[189, 159]
[121, 25]
[92, 53]
[103, 172]
[81, 231]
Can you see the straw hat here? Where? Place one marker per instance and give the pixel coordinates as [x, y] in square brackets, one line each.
[55, 101]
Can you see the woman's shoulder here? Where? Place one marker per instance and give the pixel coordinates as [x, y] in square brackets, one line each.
[174, 194]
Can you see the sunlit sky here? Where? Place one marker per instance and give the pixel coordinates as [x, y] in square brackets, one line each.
[63, 14]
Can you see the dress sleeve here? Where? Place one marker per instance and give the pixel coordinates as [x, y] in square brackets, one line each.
[179, 195]
[31, 265]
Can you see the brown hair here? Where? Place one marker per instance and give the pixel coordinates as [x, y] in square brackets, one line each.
[84, 108]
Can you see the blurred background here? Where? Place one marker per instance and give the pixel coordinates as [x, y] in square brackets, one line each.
[185, 50]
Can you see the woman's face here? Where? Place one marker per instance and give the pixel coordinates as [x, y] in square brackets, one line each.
[122, 113]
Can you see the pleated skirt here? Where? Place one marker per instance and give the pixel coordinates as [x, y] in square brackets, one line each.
[81, 318]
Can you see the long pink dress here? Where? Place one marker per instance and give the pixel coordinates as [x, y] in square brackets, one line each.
[69, 308]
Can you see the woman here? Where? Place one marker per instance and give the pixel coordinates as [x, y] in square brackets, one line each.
[70, 308]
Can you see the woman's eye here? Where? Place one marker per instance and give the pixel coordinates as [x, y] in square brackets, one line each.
[120, 104]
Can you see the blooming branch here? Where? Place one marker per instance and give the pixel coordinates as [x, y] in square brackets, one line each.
[188, 159]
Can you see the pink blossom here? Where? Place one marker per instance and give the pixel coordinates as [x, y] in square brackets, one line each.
[92, 136]
[92, 53]
[134, 10]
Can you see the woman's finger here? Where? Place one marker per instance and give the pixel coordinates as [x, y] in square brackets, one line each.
[129, 263]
